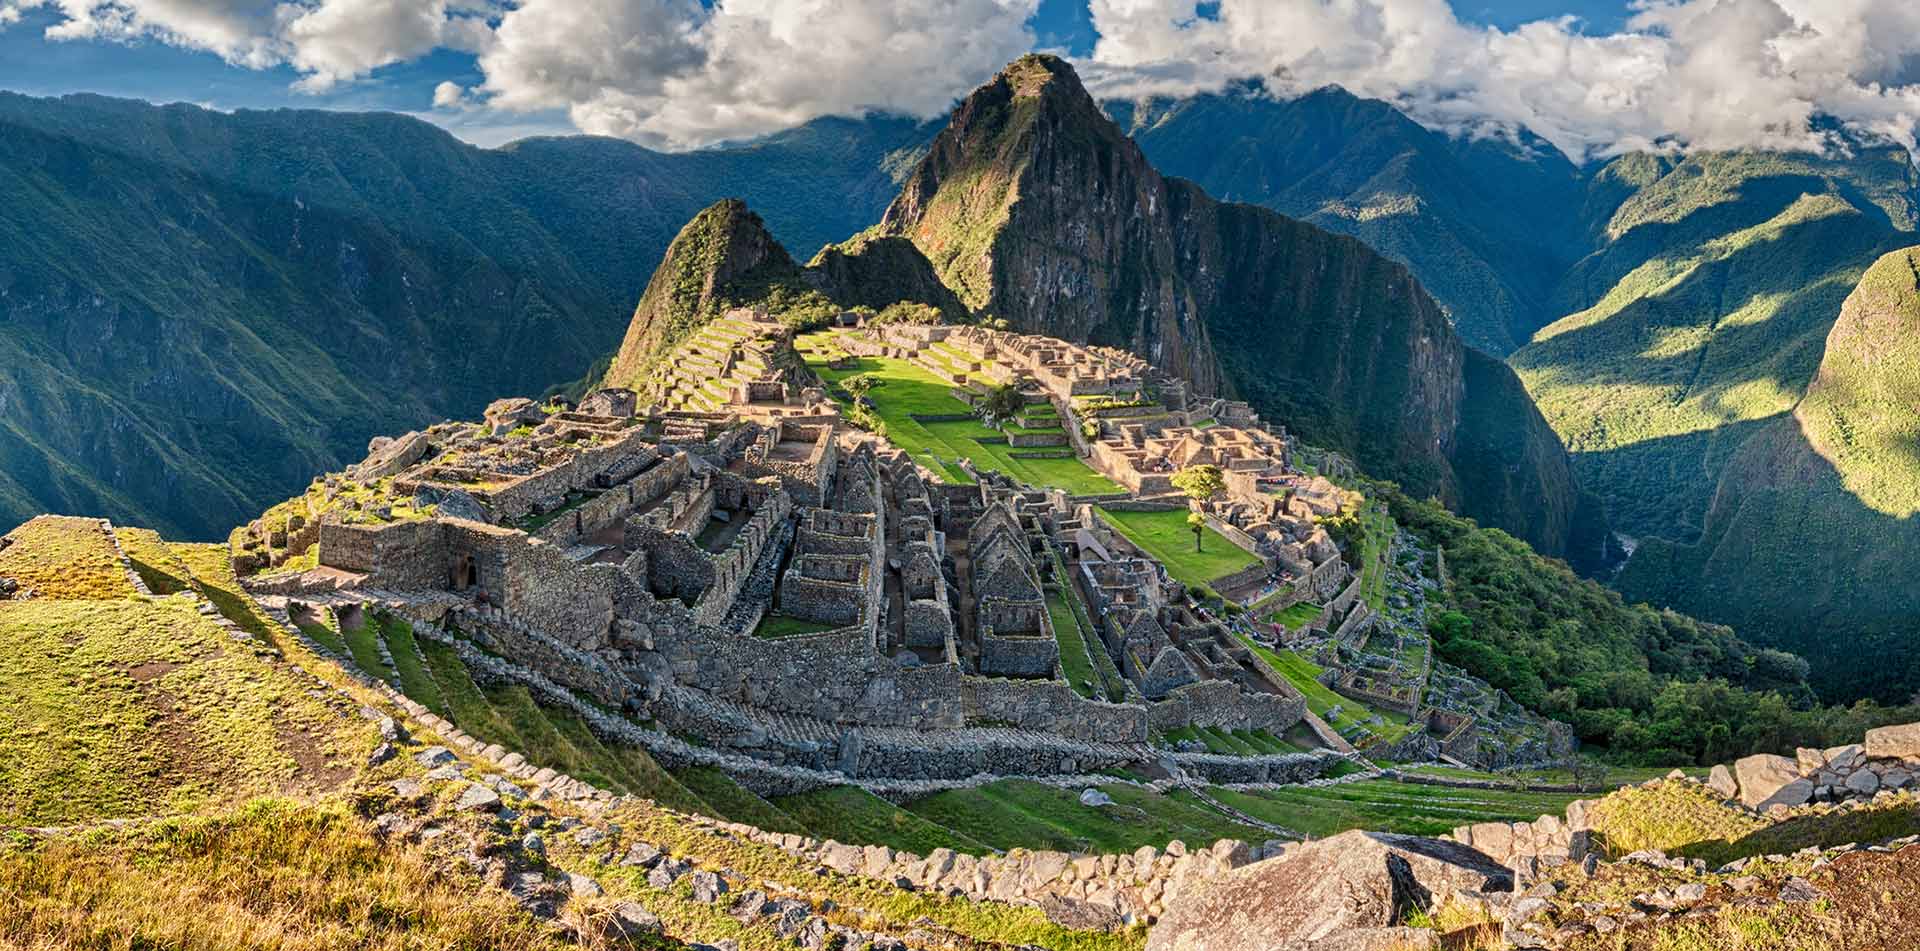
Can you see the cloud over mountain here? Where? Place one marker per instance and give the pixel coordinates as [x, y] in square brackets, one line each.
[682, 73]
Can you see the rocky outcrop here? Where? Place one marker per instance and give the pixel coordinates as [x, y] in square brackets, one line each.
[1334, 889]
[1035, 208]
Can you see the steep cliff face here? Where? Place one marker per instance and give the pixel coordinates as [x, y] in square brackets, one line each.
[1030, 207]
[1812, 531]
[1487, 224]
[1034, 207]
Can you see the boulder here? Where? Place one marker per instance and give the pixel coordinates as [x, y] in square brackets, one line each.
[1720, 780]
[1324, 891]
[478, 798]
[1811, 761]
[1894, 742]
[1846, 758]
[1863, 783]
[1094, 797]
[1768, 780]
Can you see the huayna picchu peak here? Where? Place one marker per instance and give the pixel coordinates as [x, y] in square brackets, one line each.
[1067, 523]
[1036, 209]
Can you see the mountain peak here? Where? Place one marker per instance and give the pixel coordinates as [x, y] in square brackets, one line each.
[725, 247]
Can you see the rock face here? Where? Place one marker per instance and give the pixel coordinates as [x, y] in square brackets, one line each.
[1319, 891]
[1034, 207]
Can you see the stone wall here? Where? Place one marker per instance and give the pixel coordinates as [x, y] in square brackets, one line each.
[1223, 704]
[404, 556]
[1051, 706]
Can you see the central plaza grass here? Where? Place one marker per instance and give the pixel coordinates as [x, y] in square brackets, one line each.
[906, 391]
[1167, 537]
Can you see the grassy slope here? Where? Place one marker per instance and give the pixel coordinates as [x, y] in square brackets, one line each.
[851, 814]
[1019, 814]
[1815, 515]
[65, 559]
[1388, 806]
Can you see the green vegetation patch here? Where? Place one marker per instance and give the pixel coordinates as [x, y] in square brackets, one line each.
[853, 815]
[1388, 806]
[1167, 537]
[905, 391]
[776, 626]
[124, 708]
[1020, 814]
[158, 566]
[65, 559]
[730, 800]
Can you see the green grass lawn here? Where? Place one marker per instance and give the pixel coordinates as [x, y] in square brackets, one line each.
[1387, 806]
[1021, 814]
[415, 680]
[909, 391]
[1297, 616]
[853, 815]
[364, 647]
[1166, 537]
[1374, 568]
[323, 634]
[1075, 661]
[776, 626]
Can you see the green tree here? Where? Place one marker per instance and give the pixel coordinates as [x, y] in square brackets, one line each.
[859, 385]
[1200, 483]
[1004, 401]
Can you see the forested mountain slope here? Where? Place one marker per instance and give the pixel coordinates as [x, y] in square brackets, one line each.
[202, 309]
[1487, 224]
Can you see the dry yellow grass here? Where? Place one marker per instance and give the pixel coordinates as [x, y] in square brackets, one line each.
[65, 558]
[271, 875]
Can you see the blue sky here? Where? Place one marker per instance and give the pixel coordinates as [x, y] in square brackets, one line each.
[153, 70]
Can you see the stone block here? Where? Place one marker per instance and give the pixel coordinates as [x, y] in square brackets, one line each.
[1894, 742]
[1720, 780]
[1767, 780]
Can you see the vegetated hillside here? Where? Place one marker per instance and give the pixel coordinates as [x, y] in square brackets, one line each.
[726, 258]
[1034, 207]
[1702, 313]
[1811, 537]
[1487, 223]
[1649, 685]
[202, 309]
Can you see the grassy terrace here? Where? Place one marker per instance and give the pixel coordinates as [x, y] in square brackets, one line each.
[1303, 675]
[1020, 814]
[776, 626]
[908, 391]
[1075, 659]
[1067, 600]
[1380, 531]
[1296, 616]
[1166, 537]
[1387, 806]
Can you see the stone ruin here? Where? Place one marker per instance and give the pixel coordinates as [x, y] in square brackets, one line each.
[801, 595]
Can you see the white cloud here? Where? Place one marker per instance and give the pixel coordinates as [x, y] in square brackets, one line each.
[682, 73]
[326, 41]
[1685, 73]
[671, 73]
[449, 95]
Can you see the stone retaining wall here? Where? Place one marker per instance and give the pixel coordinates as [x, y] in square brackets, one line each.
[1051, 706]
